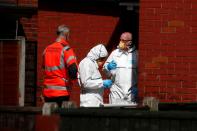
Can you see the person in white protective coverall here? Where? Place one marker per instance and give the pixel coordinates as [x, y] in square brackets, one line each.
[121, 66]
[92, 84]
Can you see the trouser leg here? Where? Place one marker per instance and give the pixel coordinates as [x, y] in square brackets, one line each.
[48, 107]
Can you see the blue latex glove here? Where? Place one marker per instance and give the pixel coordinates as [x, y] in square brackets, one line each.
[107, 83]
[112, 65]
[134, 91]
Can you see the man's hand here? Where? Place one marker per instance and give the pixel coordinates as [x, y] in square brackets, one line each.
[107, 83]
[112, 65]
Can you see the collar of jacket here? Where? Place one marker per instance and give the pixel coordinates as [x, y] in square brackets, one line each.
[62, 41]
[132, 49]
[126, 52]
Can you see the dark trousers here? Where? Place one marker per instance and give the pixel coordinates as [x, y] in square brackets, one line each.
[58, 100]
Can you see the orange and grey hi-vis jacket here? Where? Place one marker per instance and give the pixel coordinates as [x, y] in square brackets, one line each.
[57, 60]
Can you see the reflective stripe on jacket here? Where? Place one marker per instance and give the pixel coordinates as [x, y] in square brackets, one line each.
[56, 58]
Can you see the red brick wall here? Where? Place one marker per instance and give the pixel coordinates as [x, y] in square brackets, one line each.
[30, 27]
[167, 50]
[27, 27]
[86, 31]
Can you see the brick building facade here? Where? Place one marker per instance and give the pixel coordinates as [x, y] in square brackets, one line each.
[167, 41]
[19, 18]
[167, 50]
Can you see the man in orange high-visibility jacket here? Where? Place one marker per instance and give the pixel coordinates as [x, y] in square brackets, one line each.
[60, 68]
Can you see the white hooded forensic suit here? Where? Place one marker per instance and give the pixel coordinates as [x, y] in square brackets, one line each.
[124, 77]
[90, 78]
